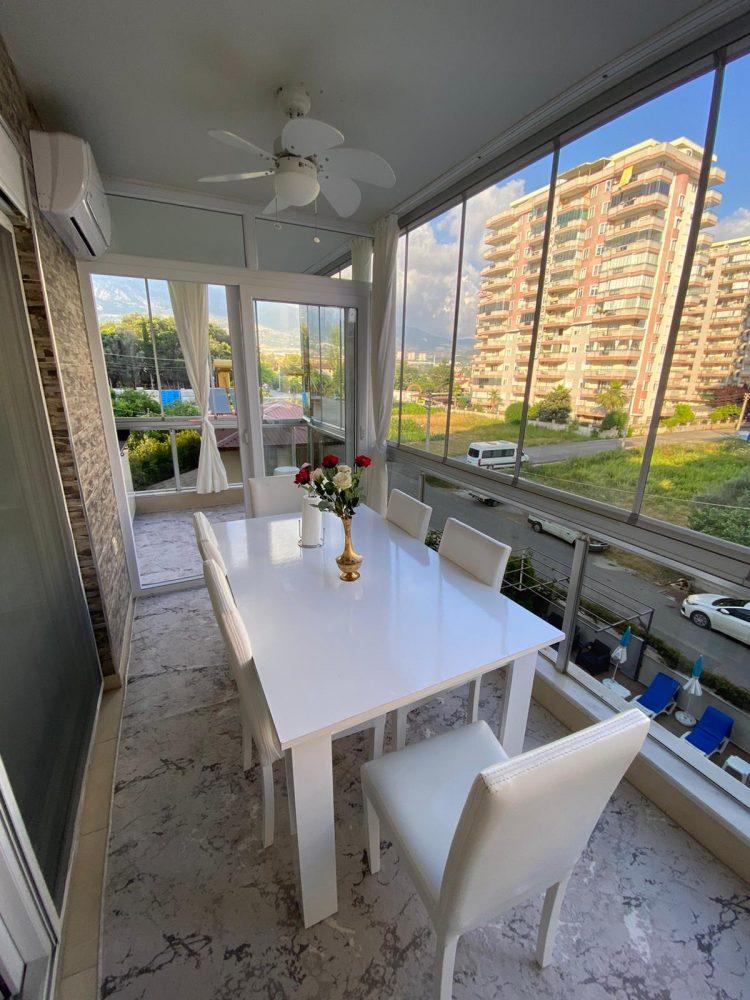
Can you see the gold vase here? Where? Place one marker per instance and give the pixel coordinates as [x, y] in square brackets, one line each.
[349, 561]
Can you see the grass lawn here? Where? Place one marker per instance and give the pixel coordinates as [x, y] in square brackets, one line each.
[678, 472]
[466, 426]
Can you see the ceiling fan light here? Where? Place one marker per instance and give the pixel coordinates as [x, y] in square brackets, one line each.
[296, 181]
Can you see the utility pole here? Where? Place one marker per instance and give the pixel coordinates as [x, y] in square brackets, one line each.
[743, 411]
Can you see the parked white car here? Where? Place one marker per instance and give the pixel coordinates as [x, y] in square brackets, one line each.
[560, 531]
[730, 615]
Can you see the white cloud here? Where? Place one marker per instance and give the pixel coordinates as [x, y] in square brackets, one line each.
[736, 224]
[433, 259]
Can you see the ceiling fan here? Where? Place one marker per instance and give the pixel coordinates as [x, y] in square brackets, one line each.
[308, 158]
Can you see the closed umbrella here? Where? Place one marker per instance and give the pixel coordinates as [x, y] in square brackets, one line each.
[693, 687]
[618, 657]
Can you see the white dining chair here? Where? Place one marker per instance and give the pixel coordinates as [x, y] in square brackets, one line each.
[482, 557]
[409, 514]
[209, 550]
[202, 528]
[255, 717]
[274, 495]
[480, 832]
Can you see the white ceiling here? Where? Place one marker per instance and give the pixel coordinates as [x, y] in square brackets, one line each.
[424, 83]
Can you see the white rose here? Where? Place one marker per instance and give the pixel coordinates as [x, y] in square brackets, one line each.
[316, 475]
[343, 479]
[345, 468]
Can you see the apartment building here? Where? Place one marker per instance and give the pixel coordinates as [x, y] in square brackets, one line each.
[618, 240]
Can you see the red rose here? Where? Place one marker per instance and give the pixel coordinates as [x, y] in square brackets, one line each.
[303, 476]
[330, 461]
[363, 461]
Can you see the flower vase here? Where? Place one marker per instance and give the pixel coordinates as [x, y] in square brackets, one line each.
[349, 561]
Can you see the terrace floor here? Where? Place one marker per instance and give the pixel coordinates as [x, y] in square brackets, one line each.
[165, 542]
[195, 908]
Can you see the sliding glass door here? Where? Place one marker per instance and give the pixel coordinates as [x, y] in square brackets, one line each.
[50, 671]
[306, 364]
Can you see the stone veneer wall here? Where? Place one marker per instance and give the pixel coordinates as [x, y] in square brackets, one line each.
[55, 310]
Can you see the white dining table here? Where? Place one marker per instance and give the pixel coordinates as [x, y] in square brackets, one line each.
[331, 655]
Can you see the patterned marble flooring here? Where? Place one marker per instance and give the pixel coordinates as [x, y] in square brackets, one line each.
[196, 909]
[165, 542]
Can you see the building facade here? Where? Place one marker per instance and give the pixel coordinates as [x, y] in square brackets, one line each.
[617, 246]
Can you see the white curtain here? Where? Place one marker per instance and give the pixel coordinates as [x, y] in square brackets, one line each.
[382, 354]
[361, 258]
[190, 308]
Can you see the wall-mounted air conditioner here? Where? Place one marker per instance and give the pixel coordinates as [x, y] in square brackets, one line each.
[70, 192]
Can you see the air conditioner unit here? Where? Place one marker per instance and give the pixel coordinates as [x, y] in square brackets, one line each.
[70, 192]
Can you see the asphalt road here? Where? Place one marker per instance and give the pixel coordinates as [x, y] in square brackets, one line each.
[721, 654]
[574, 449]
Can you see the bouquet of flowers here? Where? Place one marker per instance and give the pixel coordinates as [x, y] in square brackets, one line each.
[337, 487]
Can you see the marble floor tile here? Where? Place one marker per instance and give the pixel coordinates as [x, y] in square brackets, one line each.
[165, 542]
[195, 908]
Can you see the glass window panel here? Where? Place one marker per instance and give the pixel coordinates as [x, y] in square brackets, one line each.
[147, 460]
[428, 336]
[176, 232]
[623, 204]
[399, 324]
[498, 297]
[700, 470]
[299, 249]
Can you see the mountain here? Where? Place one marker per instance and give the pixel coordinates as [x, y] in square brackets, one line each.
[416, 339]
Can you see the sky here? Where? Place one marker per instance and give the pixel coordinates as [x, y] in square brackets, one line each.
[433, 248]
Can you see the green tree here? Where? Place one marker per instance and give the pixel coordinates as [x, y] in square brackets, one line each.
[181, 408]
[133, 403]
[555, 406]
[683, 414]
[513, 413]
[494, 397]
[613, 397]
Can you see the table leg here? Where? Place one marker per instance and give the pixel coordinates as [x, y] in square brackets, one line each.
[519, 680]
[312, 777]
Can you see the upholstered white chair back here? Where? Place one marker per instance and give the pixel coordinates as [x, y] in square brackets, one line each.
[411, 515]
[240, 654]
[209, 550]
[222, 599]
[202, 528]
[527, 820]
[477, 553]
[274, 495]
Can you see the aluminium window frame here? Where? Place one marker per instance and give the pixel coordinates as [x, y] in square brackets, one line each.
[243, 286]
[715, 558]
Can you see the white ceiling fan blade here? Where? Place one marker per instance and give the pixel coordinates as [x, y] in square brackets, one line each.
[342, 193]
[247, 176]
[305, 136]
[230, 139]
[360, 164]
[275, 205]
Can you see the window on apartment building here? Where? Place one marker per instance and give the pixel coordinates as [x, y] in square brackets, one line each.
[608, 184]
[602, 228]
[699, 475]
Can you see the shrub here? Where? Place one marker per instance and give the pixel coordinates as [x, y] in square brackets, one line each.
[513, 413]
[533, 411]
[730, 411]
[614, 419]
[181, 408]
[683, 414]
[133, 403]
[731, 519]
[150, 456]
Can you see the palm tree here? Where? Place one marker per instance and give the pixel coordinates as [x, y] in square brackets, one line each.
[494, 398]
[614, 397]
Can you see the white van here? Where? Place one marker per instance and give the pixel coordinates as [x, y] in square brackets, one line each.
[494, 454]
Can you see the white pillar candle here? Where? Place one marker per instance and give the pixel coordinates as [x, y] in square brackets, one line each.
[312, 522]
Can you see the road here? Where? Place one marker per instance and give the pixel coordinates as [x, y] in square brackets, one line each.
[545, 453]
[721, 654]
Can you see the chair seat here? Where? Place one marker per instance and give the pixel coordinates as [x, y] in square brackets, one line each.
[419, 793]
